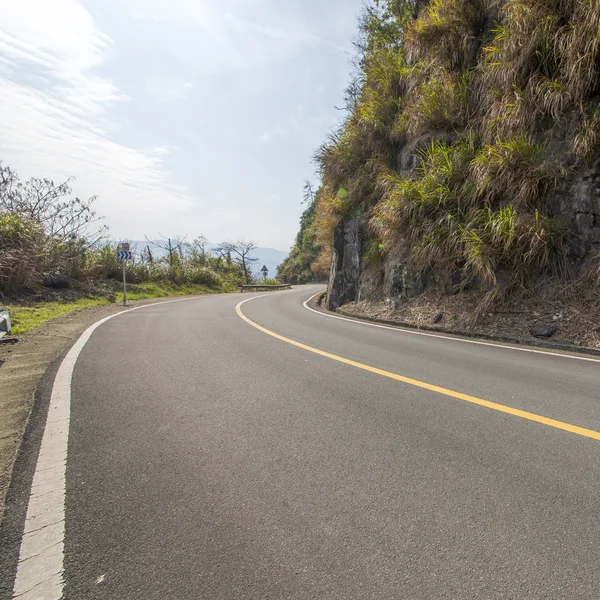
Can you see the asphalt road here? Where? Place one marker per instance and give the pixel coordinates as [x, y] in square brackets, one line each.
[209, 460]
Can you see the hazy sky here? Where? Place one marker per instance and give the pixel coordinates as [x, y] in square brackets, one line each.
[183, 116]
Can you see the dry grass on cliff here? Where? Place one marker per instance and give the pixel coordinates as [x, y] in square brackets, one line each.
[587, 141]
[516, 169]
[479, 203]
[446, 31]
[440, 103]
[544, 54]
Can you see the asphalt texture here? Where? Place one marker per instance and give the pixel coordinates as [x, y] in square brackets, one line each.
[208, 460]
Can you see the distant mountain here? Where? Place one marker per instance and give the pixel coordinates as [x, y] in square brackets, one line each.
[270, 257]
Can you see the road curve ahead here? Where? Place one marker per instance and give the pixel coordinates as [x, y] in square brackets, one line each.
[274, 452]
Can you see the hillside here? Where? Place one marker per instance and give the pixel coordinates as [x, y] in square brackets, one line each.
[468, 161]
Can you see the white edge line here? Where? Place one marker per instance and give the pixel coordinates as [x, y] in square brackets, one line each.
[41, 554]
[401, 329]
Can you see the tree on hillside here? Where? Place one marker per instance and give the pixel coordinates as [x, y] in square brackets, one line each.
[297, 267]
[172, 247]
[43, 230]
[308, 193]
[49, 205]
[240, 251]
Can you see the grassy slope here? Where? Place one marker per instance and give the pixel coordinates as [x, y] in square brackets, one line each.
[31, 316]
[480, 100]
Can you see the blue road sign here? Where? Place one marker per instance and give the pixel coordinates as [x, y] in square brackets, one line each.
[124, 255]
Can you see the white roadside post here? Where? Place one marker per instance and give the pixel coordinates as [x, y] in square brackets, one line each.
[124, 254]
[5, 328]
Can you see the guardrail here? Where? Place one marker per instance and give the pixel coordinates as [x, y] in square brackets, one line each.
[5, 328]
[254, 287]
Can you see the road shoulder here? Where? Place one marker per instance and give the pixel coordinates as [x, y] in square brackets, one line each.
[23, 365]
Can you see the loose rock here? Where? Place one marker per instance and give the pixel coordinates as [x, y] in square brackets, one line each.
[56, 281]
[542, 330]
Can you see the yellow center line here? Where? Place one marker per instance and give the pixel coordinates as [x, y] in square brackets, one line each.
[589, 433]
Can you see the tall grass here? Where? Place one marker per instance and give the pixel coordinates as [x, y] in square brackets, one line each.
[516, 169]
[586, 143]
[447, 31]
[511, 81]
[426, 208]
[441, 103]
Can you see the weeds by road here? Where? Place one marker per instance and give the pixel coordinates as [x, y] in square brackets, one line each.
[28, 316]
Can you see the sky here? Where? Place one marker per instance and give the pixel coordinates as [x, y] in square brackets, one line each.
[184, 117]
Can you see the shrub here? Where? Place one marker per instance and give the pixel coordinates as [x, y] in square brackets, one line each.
[522, 243]
[441, 103]
[102, 262]
[20, 239]
[447, 30]
[427, 209]
[516, 169]
[202, 276]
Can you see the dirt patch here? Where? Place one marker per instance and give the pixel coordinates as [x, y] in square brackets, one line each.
[23, 363]
[577, 323]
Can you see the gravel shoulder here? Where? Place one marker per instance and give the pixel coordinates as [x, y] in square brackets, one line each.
[22, 365]
[575, 324]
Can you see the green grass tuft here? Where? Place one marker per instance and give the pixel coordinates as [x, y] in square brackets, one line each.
[26, 318]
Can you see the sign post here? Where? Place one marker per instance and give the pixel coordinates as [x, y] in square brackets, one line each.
[265, 272]
[124, 254]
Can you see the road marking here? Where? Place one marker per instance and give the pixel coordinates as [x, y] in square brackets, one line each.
[446, 337]
[589, 433]
[41, 556]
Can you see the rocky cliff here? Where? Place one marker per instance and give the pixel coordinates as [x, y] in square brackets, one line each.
[352, 279]
[469, 159]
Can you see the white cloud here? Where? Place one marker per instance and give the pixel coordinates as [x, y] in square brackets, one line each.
[297, 37]
[230, 32]
[119, 92]
[55, 114]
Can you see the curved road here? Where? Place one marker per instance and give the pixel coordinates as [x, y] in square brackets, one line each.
[210, 459]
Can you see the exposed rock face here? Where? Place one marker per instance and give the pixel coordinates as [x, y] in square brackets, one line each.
[351, 280]
[580, 202]
[346, 264]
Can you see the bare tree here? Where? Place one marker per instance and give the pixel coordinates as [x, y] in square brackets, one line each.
[174, 248]
[147, 254]
[240, 251]
[197, 250]
[49, 205]
[308, 193]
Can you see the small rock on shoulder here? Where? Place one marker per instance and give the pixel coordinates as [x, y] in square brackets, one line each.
[541, 330]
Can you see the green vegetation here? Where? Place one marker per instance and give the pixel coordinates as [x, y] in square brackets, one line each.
[27, 317]
[268, 281]
[481, 93]
[300, 266]
[49, 239]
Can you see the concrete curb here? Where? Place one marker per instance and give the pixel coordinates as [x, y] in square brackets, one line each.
[467, 334]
